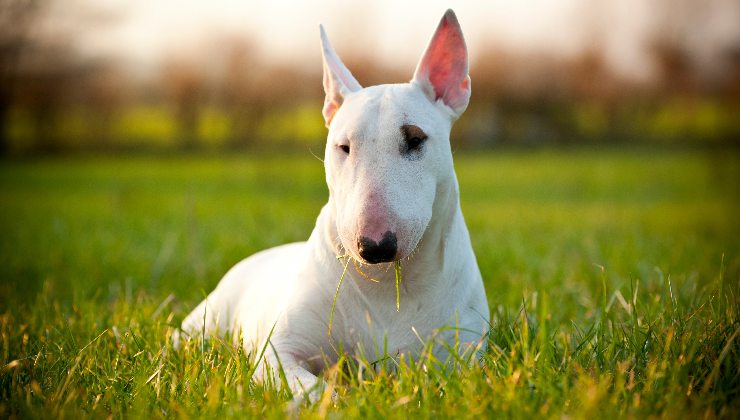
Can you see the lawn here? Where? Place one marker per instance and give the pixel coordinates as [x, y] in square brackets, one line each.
[612, 278]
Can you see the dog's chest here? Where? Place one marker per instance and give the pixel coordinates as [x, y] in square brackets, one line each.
[383, 331]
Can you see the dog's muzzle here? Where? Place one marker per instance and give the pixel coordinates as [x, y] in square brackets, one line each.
[378, 252]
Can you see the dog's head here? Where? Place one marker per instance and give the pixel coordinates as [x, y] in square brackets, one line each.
[388, 150]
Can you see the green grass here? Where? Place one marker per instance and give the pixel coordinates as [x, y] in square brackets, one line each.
[612, 279]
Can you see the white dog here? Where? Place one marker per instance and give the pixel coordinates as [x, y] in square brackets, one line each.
[393, 199]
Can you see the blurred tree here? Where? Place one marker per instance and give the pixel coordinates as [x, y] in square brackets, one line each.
[240, 93]
[184, 87]
[252, 90]
[105, 90]
[16, 19]
[41, 72]
[223, 90]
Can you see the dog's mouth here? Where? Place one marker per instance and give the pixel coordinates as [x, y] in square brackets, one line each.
[379, 249]
[358, 258]
[377, 262]
[368, 261]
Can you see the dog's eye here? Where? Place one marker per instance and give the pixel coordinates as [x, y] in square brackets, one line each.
[413, 138]
[345, 148]
[414, 143]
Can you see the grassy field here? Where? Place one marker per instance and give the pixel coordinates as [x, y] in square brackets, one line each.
[612, 278]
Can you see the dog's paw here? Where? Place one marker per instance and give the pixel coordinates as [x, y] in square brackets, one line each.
[175, 339]
[322, 394]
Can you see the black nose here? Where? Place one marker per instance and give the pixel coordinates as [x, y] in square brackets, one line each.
[374, 252]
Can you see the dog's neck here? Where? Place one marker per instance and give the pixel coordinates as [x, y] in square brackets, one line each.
[430, 260]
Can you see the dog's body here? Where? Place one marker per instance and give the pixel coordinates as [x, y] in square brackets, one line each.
[393, 197]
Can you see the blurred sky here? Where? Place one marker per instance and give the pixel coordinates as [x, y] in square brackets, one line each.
[142, 32]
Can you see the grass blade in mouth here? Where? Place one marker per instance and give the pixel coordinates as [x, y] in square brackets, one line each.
[399, 279]
[336, 293]
[362, 273]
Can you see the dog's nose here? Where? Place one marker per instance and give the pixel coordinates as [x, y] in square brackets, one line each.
[378, 252]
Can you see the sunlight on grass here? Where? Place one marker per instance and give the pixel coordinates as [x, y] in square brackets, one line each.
[612, 278]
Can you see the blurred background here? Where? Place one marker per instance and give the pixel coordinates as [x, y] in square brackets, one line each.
[174, 75]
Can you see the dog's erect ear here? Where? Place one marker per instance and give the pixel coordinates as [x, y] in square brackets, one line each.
[338, 81]
[443, 70]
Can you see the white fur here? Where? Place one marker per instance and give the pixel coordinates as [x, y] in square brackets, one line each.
[373, 189]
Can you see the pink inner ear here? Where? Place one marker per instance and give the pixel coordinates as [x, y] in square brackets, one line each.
[331, 107]
[445, 61]
[333, 99]
[445, 64]
[338, 81]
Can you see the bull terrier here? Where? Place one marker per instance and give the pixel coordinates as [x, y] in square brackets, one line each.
[393, 201]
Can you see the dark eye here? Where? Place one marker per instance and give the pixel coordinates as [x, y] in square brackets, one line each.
[414, 143]
[345, 148]
[413, 138]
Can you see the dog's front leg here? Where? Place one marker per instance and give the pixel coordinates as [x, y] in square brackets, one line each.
[294, 370]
